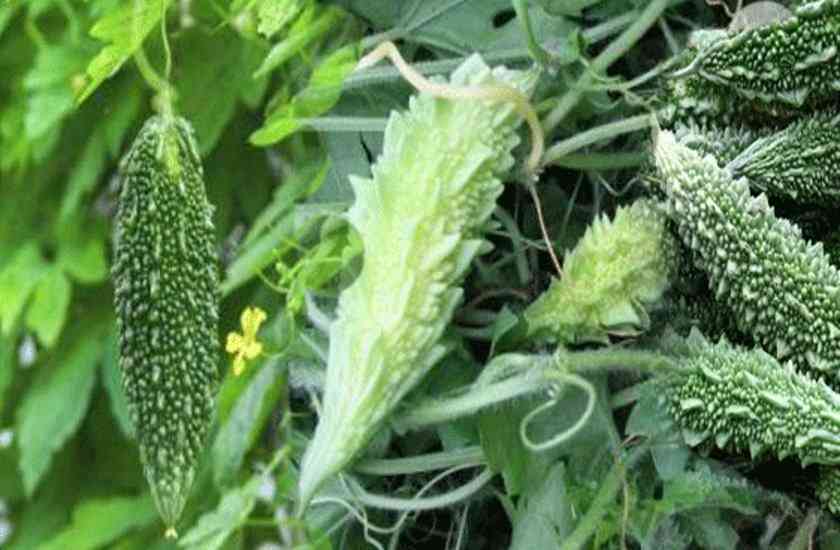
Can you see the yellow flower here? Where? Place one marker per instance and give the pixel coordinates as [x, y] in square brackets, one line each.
[245, 346]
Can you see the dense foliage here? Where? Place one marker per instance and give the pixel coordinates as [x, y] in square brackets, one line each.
[455, 293]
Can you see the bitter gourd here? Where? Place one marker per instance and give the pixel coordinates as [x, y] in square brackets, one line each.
[788, 64]
[420, 220]
[745, 400]
[828, 488]
[616, 269]
[166, 295]
[802, 161]
[782, 289]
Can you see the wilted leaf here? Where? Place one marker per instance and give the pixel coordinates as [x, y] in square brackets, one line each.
[54, 407]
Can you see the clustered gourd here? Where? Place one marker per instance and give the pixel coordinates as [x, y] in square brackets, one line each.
[166, 295]
[749, 126]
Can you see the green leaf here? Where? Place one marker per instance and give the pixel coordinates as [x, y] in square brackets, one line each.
[50, 301]
[7, 369]
[246, 422]
[124, 31]
[49, 89]
[98, 522]
[17, 281]
[54, 407]
[111, 379]
[83, 256]
[213, 528]
[544, 517]
[124, 105]
[311, 25]
[274, 15]
[213, 89]
[322, 92]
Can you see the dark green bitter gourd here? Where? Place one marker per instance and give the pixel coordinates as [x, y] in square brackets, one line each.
[782, 289]
[745, 400]
[165, 276]
[801, 162]
[792, 63]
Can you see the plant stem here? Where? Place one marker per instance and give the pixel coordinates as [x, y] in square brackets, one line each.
[472, 456]
[602, 161]
[624, 126]
[436, 411]
[429, 503]
[614, 51]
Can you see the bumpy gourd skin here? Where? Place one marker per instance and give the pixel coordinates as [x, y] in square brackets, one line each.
[420, 220]
[618, 267]
[782, 289]
[165, 276]
[793, 63]
[828, 488]
[747, 400]
[802, 161]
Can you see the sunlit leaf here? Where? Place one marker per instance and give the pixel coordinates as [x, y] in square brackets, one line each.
[48, 310]
[98, 522]
[17, 280]
[319, 96]
[123, 31]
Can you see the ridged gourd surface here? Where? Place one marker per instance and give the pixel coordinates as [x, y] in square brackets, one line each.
[165, 275]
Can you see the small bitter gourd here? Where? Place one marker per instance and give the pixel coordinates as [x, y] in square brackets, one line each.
[783, 290]
[745, 400]
[165, 276]
[618, 267]
[420, 220]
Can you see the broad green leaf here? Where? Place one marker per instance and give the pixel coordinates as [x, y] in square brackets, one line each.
[17, 280]
[42, 517]
[544, 517]
[49, 88]
[274, 15]
[320, 94]
[213, 89]
[124, 31]
[124, 103]
[54, 407]
[98, 522]
[310, 26]
[711, 529]
[566, 7]
[245, 422]
[111, 379]
[214, 528]
[82, 256]
[48, 309]
[305, 180]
